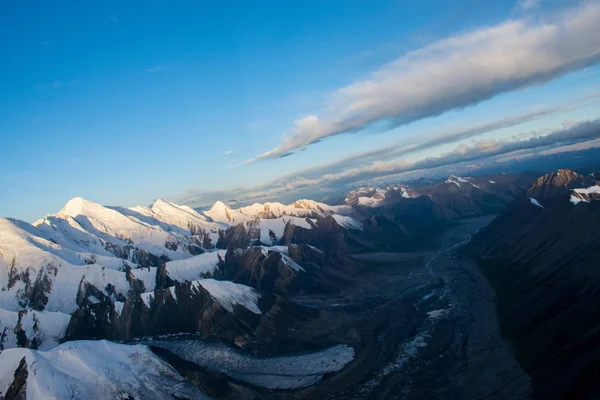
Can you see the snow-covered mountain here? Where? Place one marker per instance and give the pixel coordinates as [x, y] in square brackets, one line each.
[100, 272]
[87, 253]
[91, 370]
[374, 196]
[222, 213]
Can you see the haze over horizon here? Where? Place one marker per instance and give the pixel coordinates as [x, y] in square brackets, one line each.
[122, 104]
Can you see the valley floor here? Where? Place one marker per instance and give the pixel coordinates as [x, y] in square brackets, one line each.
[423, 326]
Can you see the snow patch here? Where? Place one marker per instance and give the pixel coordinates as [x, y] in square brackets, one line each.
[93, 299]
[585, 195]
[348, 222]
[287, 260]
[119, 307]
[535, 203]
[195, 267]
[173, 293]
[436, 313]
[369, 202]
[147, 298]
[227, 294]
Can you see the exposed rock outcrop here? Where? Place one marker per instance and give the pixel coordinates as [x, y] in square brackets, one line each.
[183, 308]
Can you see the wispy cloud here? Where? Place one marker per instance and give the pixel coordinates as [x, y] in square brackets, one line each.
[156, 68]
[568, 134]
[527, 5]
[455, 73]
[228, 152]
[389, 152]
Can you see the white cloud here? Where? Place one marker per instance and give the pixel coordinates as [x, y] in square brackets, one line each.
[455, 73]
[228, 152]
[583, 134]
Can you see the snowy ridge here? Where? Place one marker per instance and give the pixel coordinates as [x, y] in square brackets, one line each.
[27, 259]
[118, 252]
[222, 213]
[86, 243]
[95, 370]
[270, 219]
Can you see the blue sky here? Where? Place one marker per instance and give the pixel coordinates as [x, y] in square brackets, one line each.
[123, 103]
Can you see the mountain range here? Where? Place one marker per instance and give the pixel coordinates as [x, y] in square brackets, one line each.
[248, 278]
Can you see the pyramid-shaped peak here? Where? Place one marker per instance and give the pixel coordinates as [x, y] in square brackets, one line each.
[219, 205]
[77, 206]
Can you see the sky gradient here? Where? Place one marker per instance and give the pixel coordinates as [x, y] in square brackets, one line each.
[194, 102]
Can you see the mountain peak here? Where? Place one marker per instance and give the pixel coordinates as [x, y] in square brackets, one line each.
[76, 206]
[219, 205]
[158, 202]
[561, 177]
[456, 180]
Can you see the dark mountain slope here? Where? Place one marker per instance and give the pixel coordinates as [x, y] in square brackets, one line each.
[542, 255]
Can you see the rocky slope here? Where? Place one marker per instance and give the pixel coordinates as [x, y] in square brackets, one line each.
[541, 255]
[400, 218]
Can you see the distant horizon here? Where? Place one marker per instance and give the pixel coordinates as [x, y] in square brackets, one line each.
[195, 103]
[581, 161]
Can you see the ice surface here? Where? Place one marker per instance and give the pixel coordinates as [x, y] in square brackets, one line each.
[279, 372]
